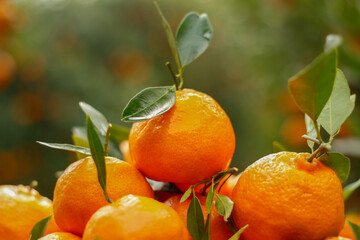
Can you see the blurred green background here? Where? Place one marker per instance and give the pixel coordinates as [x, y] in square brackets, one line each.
[55, 53]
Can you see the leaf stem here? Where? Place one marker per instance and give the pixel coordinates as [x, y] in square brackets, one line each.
[311, 138]
[322, 147]
[107, 137]
[168, 65]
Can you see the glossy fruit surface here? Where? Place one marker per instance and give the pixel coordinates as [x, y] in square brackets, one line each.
[60, 236]
[283, 196]
[136, 218]
[21, 207]
[189, 143]
[78, 193]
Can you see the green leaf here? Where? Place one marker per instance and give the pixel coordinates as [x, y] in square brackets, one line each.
[169, 35]
[332, 41]
[339, 106]
[355, 229]
[149, 103]
[186, 195]
[79, 137]
[39, 228]
[310, 131]
[237, 235]
[67, 147]
[195, 219]
[278, 147]
[311, 87]
[339, 163]
[97, 117]
[207, 227]
[210, 197]
[97, 153]
[224, 206]
[349, 189]
[119, 133]
[193, 37]
[231, 224]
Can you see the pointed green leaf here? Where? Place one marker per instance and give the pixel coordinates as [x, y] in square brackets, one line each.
[193, 37]
[97, 153]
[195, 219]
[169, 35]
[207, 227]
[67, 147]
[310, 131]
[224, 206]
[349, 189]
[119, 133]
[210, 197]
[355, 229]
[311, 87]
[231, 224]
[339, 106]
[39, 228]
[339, 163]
[97, 117]
[79, 136]
[149, 103]
[186, 195]
[278, 147]
[237, 235]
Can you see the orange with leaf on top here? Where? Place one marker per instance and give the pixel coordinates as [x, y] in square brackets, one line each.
[187, 144]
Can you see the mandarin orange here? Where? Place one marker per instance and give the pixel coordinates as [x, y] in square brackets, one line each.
[283, 196]
[136, 218]
[189, 143]
[78, 194]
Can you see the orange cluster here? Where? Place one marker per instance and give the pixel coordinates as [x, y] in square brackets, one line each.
[280, 196]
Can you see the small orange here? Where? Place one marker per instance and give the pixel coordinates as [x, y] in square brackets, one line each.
[21, 207]
[283, 196]
[78, 193]
[218, 231]
[60, 236]
[187, 144]
[225, 190]
[136, 218]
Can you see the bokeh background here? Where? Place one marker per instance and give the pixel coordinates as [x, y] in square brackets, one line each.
[55, 53]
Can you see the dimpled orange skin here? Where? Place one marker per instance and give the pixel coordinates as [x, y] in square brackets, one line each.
[136, 218]
[21, 207]
[78, 193]
[189, 143]
[219, 229]
[282, 196]
[60, 236]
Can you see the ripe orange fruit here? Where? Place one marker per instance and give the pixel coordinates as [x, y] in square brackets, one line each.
[283, 196]
[78, 193]
[218, 231]
[225, 190]
[60, 236]
[189, 143]
[21, 207]
[136, 218]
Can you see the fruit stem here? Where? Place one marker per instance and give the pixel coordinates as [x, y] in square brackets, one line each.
[222, 184]
[217, 178]
[321, 148]
[311, 139]
[180, 75]
[34, 184]
[106, 146]
[168, 65]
